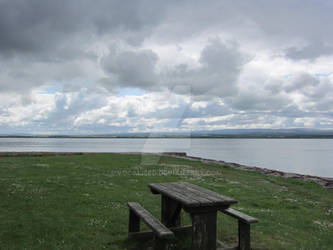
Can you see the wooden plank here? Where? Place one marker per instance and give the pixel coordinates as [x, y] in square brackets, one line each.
[183, 199]
[191, 195]
[195, 194]
[164, 190]
[160, 230]
[211, 194]
[208, 198]
[147, 235]
[240, 216]
[142, 235]
[173, 187]
[178, 191]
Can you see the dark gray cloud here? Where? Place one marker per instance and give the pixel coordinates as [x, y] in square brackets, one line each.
[314, 89]
[260, 101]
[131, 69]
[38, 26]
[301, 82]
[46, 41]
[289, 19]
[217, 75]
[312, 51]
[34, 26]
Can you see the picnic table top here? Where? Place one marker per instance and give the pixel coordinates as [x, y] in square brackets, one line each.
[190, 195]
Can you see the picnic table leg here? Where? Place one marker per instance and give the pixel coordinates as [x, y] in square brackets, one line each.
[204, 231]
[170, 212]
[244, 236]
[134, 222]
[161, 244]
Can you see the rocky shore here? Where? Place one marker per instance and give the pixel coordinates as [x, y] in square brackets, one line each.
[325, 182]
[322, 181]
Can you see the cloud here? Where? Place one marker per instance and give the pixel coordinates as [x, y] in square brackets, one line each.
[47, 111]
[219, 67]
[131, 69]
[291, 21]
[70, 65]
[247, 100]
[217, 75]
[38, 26]
[311, 51]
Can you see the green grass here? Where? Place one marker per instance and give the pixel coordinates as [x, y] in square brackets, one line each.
[79, 202]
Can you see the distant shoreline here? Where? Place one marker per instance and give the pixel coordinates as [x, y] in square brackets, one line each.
[223, 133]
[181, 137]
[325, 182]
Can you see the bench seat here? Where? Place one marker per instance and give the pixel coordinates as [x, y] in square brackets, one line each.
[161, 232]
[244, 222]
[240, 216]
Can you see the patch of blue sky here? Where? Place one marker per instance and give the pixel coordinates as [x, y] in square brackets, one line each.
[82, 83]
[52, 88]
[130, 92]
[75, 85]
[287, 76]
[323, 74]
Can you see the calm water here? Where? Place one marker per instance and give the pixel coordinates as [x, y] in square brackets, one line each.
[305, 156]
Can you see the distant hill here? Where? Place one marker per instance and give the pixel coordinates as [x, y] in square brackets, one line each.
[267, 133]
[226, 133]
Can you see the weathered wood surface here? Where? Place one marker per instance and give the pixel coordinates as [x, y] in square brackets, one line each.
[158, 228]
[133, 222]
[147, 235]
[201, 203]
[163, 189]
[161, 244]
[211, 195]
[244, 236]
[190, 195]
[240, 216]
[244, 227]
[204, 231]
[170, 212]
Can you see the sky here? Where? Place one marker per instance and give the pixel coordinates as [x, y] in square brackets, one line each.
[104, 66]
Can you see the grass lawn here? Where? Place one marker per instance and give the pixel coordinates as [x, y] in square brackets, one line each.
[79, 202]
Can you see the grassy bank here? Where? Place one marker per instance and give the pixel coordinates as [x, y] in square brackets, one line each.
[79, 202]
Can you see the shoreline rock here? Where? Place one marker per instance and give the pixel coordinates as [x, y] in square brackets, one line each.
[325, 182]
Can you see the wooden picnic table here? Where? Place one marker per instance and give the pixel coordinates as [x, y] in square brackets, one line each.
[202, 204]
